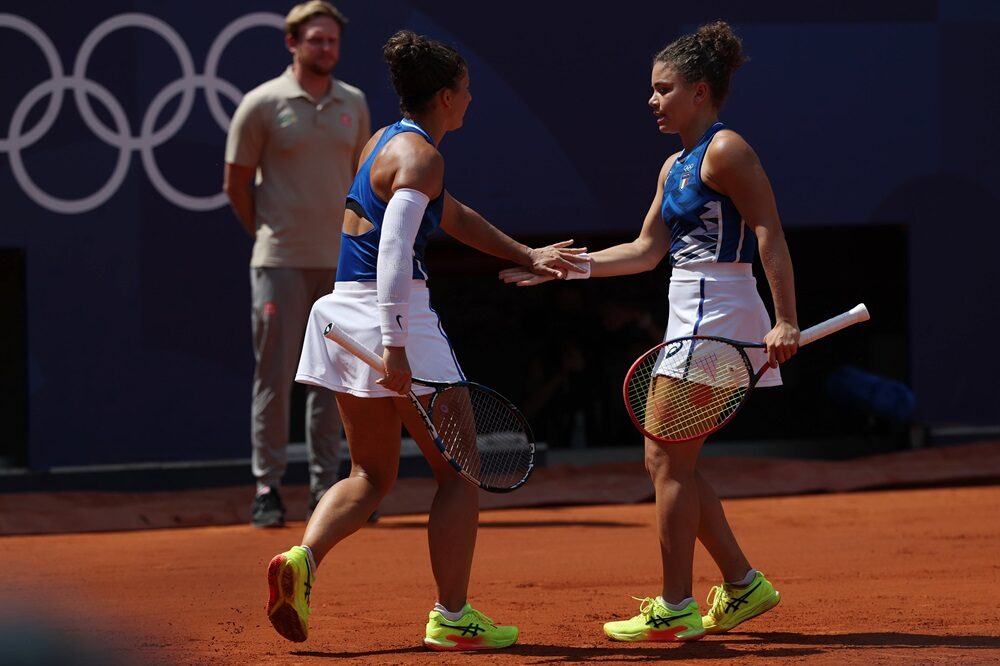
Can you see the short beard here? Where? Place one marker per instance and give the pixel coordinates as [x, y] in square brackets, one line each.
[318, 69]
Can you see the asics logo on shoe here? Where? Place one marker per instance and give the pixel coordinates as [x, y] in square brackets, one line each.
[308, 585]
[658, 621]
[467, 630]
[736, 602]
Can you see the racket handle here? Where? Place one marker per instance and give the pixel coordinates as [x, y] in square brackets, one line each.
[855, 315]
[348, 342]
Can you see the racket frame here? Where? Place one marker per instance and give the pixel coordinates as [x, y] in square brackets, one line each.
[374, 361]
[855, 315]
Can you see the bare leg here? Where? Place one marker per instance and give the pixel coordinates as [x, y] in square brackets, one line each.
[373, 435]
[454, 518]
[716, 535]
[672, 470]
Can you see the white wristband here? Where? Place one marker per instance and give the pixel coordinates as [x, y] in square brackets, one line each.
[573, 275]
[392, 318]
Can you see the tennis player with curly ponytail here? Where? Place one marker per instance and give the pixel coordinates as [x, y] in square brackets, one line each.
[713, 212]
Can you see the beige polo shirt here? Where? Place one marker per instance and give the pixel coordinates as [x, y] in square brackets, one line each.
[306, 152]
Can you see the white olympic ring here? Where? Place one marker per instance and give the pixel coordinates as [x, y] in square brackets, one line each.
[149, 138]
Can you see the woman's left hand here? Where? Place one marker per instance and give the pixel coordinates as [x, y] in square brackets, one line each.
[523, 277]
[397, 370]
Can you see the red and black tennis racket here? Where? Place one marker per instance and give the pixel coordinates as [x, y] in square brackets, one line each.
[481, 433]
[689, 387]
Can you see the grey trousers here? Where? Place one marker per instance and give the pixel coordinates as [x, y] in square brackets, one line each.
[282, 299]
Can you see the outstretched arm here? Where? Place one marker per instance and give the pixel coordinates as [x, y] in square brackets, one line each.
[642, 254]
[466, 225]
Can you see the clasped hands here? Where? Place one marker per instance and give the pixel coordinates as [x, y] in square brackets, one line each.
[552, 262]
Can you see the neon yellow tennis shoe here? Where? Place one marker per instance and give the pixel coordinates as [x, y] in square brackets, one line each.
[290, 580]
[731, 605]
[656, 622]
[472, 631]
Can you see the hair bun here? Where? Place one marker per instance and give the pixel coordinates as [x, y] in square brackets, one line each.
[720, 40]
[710, 54]
[404, 45]
[420, 66]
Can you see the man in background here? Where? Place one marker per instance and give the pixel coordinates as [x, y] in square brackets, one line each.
[291, 153]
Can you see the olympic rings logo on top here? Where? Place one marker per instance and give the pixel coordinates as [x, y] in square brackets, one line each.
[121, 136]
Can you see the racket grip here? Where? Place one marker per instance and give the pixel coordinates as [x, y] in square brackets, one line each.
[855, 315]
[348, 342]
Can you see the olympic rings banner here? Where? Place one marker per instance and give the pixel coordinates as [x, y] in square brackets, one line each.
[126, 139]
[112, 135]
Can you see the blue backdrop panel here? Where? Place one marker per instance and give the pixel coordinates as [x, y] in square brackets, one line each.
[112, 129]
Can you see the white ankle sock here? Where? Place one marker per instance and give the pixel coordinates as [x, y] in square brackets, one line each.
[746, 579]
[312, 560]
[678, 606]
[450, 615]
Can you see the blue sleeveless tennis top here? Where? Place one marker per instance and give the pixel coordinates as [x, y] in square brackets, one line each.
[705, 226]
[359, 254]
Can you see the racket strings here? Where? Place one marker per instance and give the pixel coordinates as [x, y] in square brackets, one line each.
[484, 435]
[683, 392]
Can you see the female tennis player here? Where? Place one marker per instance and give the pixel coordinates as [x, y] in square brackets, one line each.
[398, 198]
[713, 211]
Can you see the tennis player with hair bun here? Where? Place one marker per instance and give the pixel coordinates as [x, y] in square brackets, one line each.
[713, 211]
[381, 298]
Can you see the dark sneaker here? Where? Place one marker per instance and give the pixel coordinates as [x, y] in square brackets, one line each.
[314, 498]
[267, 509]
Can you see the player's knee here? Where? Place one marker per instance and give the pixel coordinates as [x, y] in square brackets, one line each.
[657, 464]
[666, 462]
[380, 480]
[454, 483]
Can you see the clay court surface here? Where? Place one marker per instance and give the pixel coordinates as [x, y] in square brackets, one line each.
[892, 576]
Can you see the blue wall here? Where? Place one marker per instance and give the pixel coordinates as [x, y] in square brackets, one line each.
[137, 280]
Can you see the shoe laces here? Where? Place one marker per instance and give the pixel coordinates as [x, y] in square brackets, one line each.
[717, 600]
[646, 606]
[481, 617]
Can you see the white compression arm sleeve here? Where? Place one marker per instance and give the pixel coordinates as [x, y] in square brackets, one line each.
[402, 219]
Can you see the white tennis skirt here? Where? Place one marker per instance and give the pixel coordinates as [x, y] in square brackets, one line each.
[353, 306]
[721, 300]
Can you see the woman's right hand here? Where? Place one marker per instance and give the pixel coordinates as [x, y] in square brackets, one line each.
[398, 375]
[557, 259]
[574, 263]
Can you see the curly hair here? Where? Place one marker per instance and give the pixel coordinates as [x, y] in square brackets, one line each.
[711, 55]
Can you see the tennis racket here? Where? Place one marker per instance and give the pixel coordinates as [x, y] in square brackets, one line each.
[689, 387]
[477, 430]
